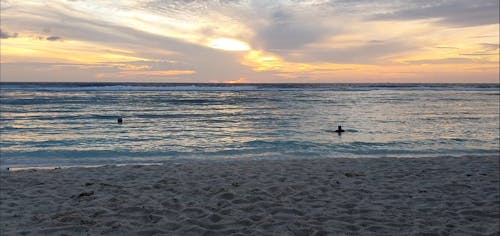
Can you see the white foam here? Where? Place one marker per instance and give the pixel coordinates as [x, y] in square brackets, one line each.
[14, 169]
[132, 88]
[274, 87]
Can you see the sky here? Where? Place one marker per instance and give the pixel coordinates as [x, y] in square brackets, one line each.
[250, 41]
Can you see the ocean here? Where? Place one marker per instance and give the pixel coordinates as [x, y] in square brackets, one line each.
[58, 124]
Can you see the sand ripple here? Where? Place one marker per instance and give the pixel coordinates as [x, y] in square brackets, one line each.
[427, 196]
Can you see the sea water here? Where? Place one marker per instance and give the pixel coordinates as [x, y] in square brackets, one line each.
[76, 124]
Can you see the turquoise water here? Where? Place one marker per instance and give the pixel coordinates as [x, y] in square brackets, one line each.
[73, 124]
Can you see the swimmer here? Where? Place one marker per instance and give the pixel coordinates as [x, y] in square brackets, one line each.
[339, 130]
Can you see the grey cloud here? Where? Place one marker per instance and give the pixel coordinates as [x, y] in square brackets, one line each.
[478, 54]
[5, 35]
[460, 13]
[443, 61]
[285, 35]
[54, 38]
[490, 46]
[5, 4]
[286, 30]
[68, 26]
[185, 8]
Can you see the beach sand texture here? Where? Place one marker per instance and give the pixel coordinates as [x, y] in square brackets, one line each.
[379, 196]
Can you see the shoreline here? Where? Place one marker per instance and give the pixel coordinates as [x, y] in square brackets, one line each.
[15, 168]
[30, 168]
[316, 196]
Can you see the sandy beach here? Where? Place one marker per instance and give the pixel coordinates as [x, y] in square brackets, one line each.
[378, 196]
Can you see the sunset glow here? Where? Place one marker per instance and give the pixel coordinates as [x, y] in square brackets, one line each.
[276, 41]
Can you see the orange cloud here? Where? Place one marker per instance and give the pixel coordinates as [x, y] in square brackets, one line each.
[261, 61]
[26, 49]
[129, 67]
[154, 73]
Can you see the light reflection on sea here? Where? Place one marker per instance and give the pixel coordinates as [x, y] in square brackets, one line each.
[78, 126]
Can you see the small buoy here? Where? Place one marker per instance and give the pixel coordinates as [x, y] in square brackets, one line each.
[339, 130]
[120, 120]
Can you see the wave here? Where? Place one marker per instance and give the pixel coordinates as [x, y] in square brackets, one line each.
[247, 87]
[130, 88]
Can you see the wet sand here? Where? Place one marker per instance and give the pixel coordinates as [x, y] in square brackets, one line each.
[379, 196]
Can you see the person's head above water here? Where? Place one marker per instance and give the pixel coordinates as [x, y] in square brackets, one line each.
[339, 129]
[119, 120]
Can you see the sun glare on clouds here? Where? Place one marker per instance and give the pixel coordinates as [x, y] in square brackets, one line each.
[228, 44]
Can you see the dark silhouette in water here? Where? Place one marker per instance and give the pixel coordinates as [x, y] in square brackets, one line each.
[339, 130]
[120, 120]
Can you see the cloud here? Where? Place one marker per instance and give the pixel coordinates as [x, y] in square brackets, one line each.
[5, 4]
[484, 49]
[446, 47]
[50, 72]
[361, 53]
[279, 40]
[288, 25]
[5, 35]
[478, 54]
[287, 31]
[490, 46]
[135, 73]
[442, 61]
[458, 13]
[54, 38]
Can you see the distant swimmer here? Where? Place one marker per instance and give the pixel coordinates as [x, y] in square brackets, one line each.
[120, 120]
[339, 130]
